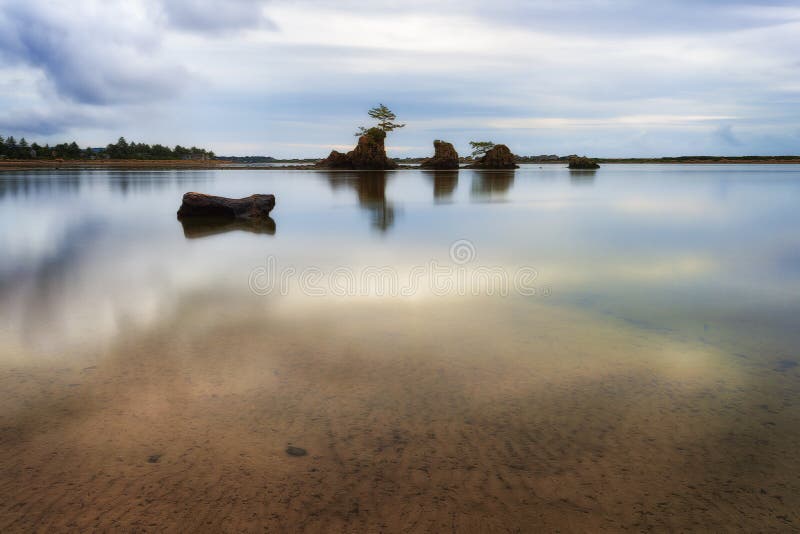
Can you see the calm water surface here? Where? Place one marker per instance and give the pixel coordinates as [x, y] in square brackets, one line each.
[643, 376]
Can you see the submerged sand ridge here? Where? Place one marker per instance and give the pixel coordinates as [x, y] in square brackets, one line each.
[418, 417]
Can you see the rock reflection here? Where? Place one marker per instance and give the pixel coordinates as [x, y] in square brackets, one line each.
[370, 187]
[199, 227]
[444, 184]
[582, 177]
[491, 186]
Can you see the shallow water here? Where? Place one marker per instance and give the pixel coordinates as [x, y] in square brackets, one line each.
[534, 350]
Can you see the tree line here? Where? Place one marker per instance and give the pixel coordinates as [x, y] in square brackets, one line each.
[11, 148]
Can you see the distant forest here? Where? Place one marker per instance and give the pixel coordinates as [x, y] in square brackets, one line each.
[10, 148]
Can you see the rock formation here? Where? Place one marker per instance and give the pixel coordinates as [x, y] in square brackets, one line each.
[582, 163]
[499, 157]
[336, 160]
[200, 205]
[444, 157]
[369, 154]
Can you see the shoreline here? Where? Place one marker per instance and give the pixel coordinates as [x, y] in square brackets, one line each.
[21, 165]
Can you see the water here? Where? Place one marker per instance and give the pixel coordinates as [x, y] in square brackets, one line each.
[471, 351]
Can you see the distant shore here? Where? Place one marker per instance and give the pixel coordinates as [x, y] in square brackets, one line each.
[706, 160]
[124, 164]
[155, 164]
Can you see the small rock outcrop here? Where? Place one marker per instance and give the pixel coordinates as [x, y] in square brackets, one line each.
[200, 205]
[499, 157]
[291, 450]
[368, 155]
[336, 160]
[444, 157]
[582, 163]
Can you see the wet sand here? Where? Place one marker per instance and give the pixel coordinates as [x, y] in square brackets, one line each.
[474, 415]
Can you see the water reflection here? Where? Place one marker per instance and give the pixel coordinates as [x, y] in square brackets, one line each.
[126, 182]
[444, 184]
[668, 340]
[39, 183]
[582, 177]
[491, 186]
[37, 288]
[198, 227]
[49, 182]
[370, 187]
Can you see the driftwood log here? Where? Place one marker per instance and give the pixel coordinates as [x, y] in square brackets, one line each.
[208, 206]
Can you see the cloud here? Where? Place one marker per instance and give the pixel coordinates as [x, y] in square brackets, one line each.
[108, 54]
[92, 52]
[213, 16]
[623, 121]
[593, 17]
[58, 117]
[726, 135]
[111, 51]
[602, 77]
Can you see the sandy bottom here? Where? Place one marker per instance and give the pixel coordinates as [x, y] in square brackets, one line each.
[472, 416]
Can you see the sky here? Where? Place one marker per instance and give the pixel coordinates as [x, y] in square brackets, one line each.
[606, 78]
